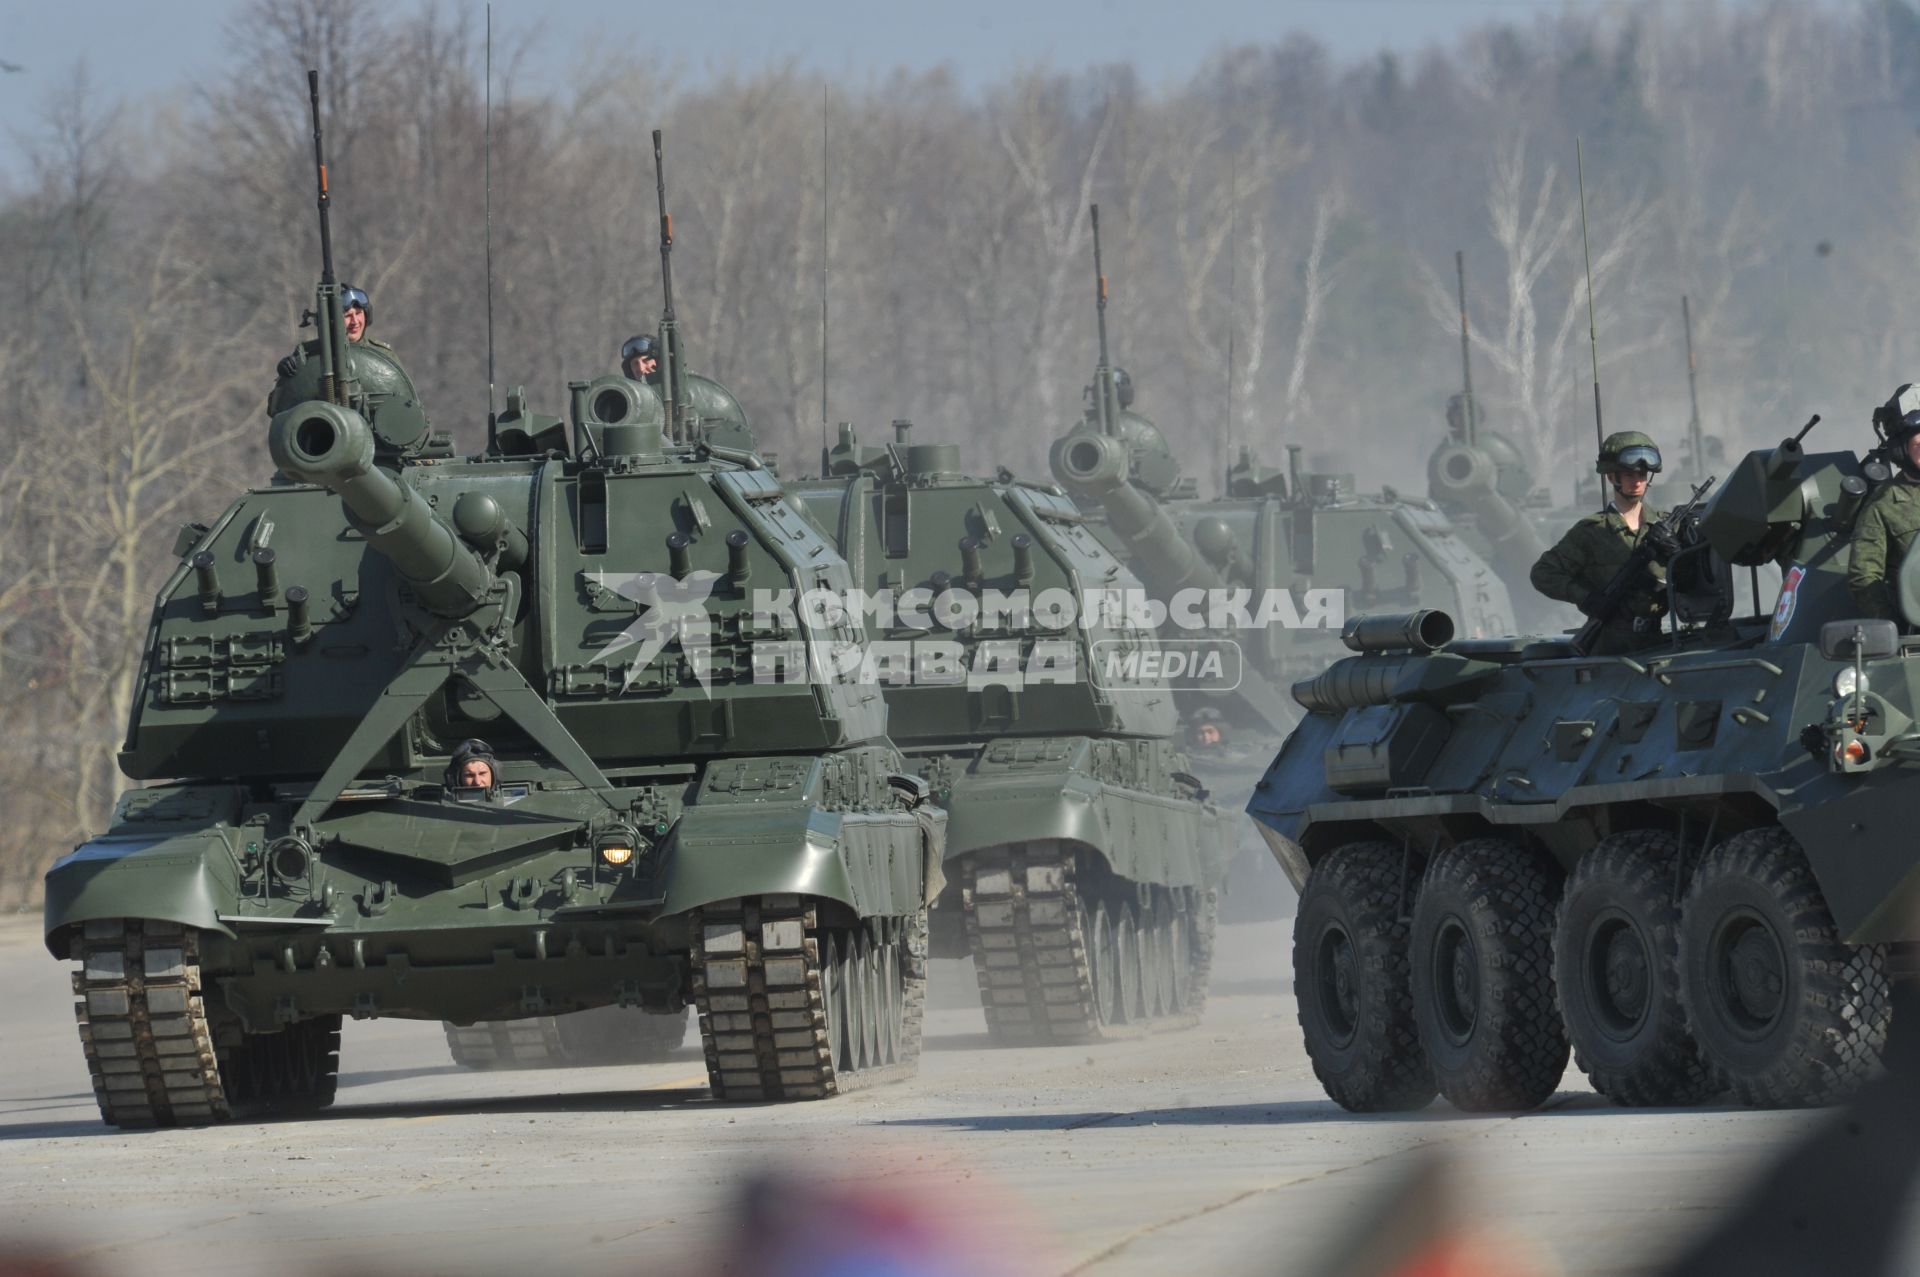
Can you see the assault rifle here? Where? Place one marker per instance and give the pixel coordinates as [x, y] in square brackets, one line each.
[1627, 581]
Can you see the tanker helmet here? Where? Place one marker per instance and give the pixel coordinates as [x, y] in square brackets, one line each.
[351, 297]
[471, 751]
[642, 344]
[1628, 450]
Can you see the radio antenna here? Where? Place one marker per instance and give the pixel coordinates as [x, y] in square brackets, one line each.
[1233, 249]
[1105, 400]
[1593, 337]
[493, 420]
[1470, 414]
[826, 201]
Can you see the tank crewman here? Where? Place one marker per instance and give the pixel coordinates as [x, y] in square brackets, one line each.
[471, 773]
[1886, 527]
[357, 315]
[1578, 567]
[640, 359]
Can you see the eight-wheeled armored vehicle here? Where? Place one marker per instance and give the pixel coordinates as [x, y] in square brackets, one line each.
[1082, 856]
[1688, 863]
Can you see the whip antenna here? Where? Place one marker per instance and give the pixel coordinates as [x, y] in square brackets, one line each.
[1470, 415]
[493, 421]
[1233, 247]
[1103, 392]
[1593, 337]
[826, 200]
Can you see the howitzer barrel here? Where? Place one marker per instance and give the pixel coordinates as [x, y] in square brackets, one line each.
[1464, 479]
[1095, 467]
[1422, 631]
[329, 445]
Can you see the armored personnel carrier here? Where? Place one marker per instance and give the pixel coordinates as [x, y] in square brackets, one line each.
[488, 739]
[1082, 856]
[1688, 864]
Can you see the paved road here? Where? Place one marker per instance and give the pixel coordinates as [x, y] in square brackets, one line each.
[1206, 1151]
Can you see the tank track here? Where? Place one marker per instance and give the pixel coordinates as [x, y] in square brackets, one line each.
[507, 1044]
[773, 991]
[1027, 924]
[143, 1024]
[157, 1057]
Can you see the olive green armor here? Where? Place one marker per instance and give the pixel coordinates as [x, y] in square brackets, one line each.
[1587, 558]
[1880, 540]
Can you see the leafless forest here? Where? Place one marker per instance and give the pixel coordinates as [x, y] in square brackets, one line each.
[1280, 236]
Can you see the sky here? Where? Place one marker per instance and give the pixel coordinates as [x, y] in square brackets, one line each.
[139, 52]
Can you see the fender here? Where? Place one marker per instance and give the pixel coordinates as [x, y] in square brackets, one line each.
[873, 862]
[1142, 836]
[174, 878]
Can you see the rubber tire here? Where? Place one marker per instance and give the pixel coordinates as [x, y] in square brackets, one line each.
[1499, 899]
[1627, 881]
[1378, 1065]
[1837, 1001]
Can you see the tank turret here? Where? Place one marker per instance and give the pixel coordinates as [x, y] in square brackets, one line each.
[331, 446]
[1095, 468]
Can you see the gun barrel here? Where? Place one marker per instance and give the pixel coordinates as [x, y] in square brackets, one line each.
[1094, 467]
[331, 446]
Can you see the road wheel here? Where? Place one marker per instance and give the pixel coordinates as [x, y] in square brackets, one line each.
[1126, 965]
[1617, 969]
[1105, 976]
[1482, 957]
[1350, 981]
[1791, 1013]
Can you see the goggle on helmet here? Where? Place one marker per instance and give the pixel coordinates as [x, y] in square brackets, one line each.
[1639, 457]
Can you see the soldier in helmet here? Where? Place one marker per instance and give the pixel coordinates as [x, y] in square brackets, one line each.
[471, 772]
[1885, 529]
[1583, 562]
[356, 312]
[640, 359]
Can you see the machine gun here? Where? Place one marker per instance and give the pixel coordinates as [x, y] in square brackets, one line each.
[673, 373]
[337, 384]
[1614, 596]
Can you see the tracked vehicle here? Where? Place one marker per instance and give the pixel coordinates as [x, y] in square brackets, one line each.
[1690, 864]
[671, 812]
[1082, 856]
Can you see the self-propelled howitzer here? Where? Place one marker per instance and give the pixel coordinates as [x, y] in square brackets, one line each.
[1082, 855]
[673, 812]
[1691, 864]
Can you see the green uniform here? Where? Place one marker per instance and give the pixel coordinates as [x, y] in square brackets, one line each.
[1585, 561]
[1881, 537]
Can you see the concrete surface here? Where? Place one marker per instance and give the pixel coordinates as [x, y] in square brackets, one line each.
[1211, 1150]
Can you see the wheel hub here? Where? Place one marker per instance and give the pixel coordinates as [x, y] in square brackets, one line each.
[1339, 984]
[1751, 969]
[1457, 987]
[1619, 977]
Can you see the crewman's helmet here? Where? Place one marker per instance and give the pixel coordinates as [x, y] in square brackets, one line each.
[468, 751]
[1625, 450]
[351, 296]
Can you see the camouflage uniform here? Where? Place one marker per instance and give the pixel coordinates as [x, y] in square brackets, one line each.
[1586, 559]
[1881, 537]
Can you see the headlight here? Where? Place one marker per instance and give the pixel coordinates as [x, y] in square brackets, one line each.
[1848, 681]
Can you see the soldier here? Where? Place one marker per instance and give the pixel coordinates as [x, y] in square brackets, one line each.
[1580, 566]
[357, 315]
[1885, 529]
[471, 773]
[640, 359]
